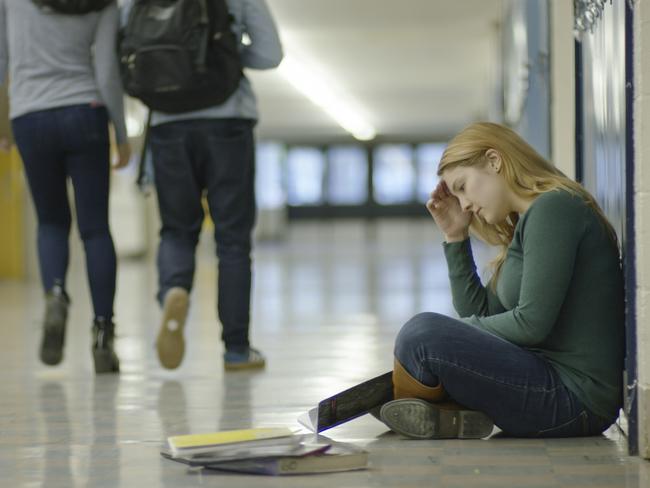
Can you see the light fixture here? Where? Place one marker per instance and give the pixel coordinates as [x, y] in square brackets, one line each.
[323, 93]
[586, 15]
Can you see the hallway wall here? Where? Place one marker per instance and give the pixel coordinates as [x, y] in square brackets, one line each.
[642, 214]
[12, 202]
[563, 145]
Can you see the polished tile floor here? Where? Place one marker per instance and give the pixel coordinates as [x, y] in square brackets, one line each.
[328, 302]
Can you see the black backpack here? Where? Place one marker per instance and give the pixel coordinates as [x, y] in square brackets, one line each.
[72, 7]
[179, 55]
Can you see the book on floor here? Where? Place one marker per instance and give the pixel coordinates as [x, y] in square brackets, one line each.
[349, 404]
[301, 447]
[229, 441]
[339, 456]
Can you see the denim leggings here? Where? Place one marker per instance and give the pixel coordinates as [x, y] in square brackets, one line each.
[57, 144]
[517, 389]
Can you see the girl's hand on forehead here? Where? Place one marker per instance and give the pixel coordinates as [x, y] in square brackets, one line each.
[441, 192]
[447, 213]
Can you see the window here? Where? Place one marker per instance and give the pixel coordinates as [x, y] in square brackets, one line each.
[428, 156]
[268, 177]
[347, 181]
[334, 180]
[394, 174]
[304, 178]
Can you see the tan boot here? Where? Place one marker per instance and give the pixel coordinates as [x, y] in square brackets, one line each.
[405, 386]
[426, 412]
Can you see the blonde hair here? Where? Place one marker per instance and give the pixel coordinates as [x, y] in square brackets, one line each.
[525, 171]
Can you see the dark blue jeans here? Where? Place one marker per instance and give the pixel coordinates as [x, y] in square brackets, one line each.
[57, 144]
[213, 158]
[517, 389]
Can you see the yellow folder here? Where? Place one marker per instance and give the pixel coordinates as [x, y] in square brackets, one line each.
[225, 437]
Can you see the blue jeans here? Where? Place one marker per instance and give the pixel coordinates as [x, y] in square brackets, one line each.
[517, 389]
[57, 144]
[213, 158]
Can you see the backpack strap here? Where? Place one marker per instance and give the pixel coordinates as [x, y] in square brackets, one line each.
[142, 170]
[207, 36]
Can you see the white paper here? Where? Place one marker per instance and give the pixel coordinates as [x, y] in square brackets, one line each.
[309, 419]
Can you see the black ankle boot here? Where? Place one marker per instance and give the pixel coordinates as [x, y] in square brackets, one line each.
[106, 360]
[56, 315]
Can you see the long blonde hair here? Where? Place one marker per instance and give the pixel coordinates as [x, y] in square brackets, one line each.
[525, 171]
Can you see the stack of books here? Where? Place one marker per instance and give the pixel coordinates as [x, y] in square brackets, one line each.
[270, 451]
[280, 451]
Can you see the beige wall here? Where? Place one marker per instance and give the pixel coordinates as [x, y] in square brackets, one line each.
[642, 209]
[562, 87]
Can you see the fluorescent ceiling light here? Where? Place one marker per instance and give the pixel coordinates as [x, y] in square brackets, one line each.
[323, 94]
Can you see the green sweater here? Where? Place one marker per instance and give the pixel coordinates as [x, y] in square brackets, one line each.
[559, 294]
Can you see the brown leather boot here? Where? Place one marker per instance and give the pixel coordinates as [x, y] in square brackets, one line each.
[419, 419]
[426, 412]
[406, 386]
[106, 361]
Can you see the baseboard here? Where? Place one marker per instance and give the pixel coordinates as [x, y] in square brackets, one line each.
[643, 392]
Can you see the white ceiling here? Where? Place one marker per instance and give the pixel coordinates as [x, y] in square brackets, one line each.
[417, 68]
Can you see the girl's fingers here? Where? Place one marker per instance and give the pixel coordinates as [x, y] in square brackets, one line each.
[438, 192]
[432, 207]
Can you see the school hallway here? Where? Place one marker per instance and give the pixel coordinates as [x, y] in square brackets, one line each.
[328, 302]
[351, 107]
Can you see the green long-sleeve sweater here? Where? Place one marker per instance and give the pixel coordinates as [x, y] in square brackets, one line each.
[559, 294]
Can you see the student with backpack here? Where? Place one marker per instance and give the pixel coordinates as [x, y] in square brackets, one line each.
[64, 89]
[184, 60]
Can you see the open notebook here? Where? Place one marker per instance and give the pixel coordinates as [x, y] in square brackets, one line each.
[349, 404]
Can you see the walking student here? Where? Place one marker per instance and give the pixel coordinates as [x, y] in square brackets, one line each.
[202, 143]
[64, 90]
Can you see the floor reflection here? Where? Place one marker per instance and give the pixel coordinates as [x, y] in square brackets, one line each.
[105, 454]
[53, 405]
[327, 305]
